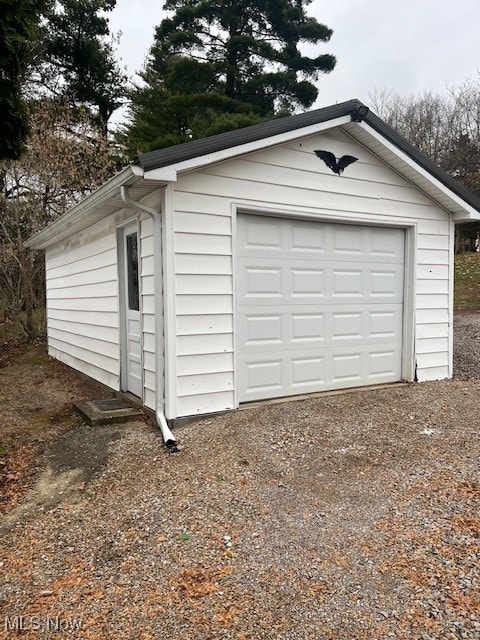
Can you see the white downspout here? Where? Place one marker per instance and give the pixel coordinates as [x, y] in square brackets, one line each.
[168, 436]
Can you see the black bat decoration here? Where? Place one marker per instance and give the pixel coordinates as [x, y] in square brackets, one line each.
[331, 161]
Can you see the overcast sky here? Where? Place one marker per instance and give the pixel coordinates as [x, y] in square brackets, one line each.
[403, 45]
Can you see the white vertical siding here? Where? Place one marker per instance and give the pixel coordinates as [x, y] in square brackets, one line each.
[291, 179]
[82, 303]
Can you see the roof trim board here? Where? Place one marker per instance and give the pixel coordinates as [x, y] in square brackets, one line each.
[223, 141]
[219, 155]
[421, 159]
[231, 141]
[161, 167]
[61, 227]
[461, 209]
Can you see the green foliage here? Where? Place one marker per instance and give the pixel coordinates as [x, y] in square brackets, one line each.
[79, 52]
[18, 29]
[54, 148]
[14, 126]
[217, 65]
[251, 47]
[161, 118]
[184, 537]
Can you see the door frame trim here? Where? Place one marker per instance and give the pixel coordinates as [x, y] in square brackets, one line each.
[133, 223]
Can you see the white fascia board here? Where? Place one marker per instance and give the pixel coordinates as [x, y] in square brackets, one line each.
[469, 213]
[60, 227]
[257, 145]
[164, 174]
[466, 217]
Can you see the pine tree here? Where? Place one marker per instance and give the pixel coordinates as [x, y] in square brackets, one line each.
[79, 52]
[18, 29]
[226, 63]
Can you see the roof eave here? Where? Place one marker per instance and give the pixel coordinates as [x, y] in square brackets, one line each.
[199, 161]
[460, 193]
[232, 141]
[442, 188]
[162, 167]
[62, 227]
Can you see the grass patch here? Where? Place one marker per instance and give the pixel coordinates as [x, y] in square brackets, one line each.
[467, 282]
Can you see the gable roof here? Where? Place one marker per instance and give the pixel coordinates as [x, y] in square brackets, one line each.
[353, 108]
[196, 148]
[157, 168]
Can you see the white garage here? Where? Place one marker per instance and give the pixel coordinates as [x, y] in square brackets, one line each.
[319, 306]
[246, 266]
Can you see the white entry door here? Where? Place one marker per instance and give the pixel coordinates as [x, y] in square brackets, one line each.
[132, 340]
[319, 306]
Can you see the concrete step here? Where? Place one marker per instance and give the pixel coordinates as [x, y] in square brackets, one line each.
[107, 411]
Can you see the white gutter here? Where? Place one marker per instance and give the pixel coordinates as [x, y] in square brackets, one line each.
[61, 228]
[168, 436]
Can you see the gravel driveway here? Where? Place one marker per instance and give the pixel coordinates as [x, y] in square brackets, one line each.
[352, 516]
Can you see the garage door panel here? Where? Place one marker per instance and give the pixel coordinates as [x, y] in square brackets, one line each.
[385, 244]
[265, 377]
[305, 241]
[283, 328]
[263, 282]
[305, 327]
[384, 365]
[299, 237]
[347, 283]
[347, 325]
[322, 350]
[268, 258]
[258, 233]
[325, 311]
[307, 371]
[348, 240]
[385, 323]
[306, 283]
[260, 281]
[262, 330]
[386, 283]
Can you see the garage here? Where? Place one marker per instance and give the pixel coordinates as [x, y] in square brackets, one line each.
[266, 267]
[319, 306]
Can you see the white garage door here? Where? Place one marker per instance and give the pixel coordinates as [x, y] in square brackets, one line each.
[319, 306]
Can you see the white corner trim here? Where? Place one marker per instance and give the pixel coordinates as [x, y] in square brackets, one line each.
[263, 143]
[169, 314]
[451, 290]
[410, 303]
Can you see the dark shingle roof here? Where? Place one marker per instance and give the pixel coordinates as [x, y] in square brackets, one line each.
[188, 150]
[196, 148]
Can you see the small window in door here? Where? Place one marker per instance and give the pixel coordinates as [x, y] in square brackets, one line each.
[132, 272]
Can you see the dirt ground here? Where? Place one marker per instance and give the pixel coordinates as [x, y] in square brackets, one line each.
[37, 418]
[352, 517]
